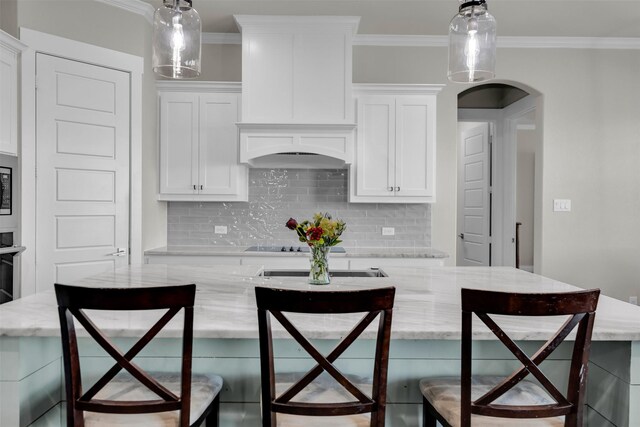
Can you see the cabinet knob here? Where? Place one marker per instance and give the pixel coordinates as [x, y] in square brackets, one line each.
[390, 188]
[194, 187]
[397, 188]
[201, 187]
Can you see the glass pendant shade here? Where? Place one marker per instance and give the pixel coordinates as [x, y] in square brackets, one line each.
[472, 44]
[177, 40]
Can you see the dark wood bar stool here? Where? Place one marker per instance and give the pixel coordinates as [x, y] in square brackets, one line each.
[487, 401]
[137, 398]
[334, 394]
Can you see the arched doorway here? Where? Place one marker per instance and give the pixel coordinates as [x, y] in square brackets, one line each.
[499, 175]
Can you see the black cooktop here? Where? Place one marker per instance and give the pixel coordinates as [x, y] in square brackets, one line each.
[271, 248]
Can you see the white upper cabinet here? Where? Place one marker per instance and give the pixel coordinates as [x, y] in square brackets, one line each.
[199, 143]
[296, 86]
[10, 50]
[297, 69]
[395, 147]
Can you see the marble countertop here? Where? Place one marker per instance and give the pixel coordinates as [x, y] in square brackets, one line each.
[350, 252]
[427, 304]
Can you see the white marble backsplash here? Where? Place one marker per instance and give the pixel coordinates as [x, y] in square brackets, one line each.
[275, 195]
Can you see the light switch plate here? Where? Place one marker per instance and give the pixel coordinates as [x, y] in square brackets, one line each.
[220, 229]
[561, 205]
[388, 231]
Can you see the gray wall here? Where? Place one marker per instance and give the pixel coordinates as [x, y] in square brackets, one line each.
[275, 195]
[8, 17]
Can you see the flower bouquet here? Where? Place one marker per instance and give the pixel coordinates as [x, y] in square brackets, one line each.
[320, 234]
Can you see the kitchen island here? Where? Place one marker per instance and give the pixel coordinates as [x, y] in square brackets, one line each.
[425, 340]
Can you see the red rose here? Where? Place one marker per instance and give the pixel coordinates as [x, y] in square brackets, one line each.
[292, 224]
[314, 233]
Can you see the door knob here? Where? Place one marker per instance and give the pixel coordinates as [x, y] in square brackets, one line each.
[461, 235]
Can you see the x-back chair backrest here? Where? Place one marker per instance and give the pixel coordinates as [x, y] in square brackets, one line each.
[579, 306]
[372, 302]
[73, 300]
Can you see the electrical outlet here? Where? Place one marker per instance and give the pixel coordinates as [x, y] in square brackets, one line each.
[561, 205]
[633, 300]
[388, 231]
[220, 229]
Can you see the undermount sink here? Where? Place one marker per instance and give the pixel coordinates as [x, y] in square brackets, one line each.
[373, 272]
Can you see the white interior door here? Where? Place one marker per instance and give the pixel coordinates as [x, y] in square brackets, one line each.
[82, 170]
[474, 212]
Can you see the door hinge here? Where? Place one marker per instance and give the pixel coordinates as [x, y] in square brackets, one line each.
[489, 239]
[36, 83]
[490, 190]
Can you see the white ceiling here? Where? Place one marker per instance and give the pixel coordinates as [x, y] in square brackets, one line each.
[555, 18]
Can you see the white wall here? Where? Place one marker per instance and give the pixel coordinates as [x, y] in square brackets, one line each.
[115, 29]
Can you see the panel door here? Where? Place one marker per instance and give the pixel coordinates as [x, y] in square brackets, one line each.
[474, 198]
[82, 176]
[179, 143]
[415, 146]
[219, 169]
[375, 174]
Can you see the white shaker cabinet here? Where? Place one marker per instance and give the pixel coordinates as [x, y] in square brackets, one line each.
[199, 143]
[395, 148]
[10, 50]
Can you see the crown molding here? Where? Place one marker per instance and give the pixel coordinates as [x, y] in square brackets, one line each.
[146, 10]
[570, 42]
[135, 6]
[400, 40]
[11, 43]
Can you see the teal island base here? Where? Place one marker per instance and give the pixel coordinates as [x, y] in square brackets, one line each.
[32, 385]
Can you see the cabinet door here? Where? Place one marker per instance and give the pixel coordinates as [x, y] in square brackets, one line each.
[178, 143]
[415, 146]
[375, 146]
[219, 169]
[8, 102]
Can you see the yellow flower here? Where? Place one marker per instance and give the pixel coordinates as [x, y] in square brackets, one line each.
[328, 226]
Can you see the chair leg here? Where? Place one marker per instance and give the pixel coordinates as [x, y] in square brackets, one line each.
[428, 420]
[213, 419]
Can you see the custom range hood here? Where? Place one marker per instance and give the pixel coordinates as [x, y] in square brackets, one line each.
[297, 102]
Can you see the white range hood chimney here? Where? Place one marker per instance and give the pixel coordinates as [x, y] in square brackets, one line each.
[296, 88]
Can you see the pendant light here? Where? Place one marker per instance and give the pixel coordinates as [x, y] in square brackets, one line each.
[176, 40]
[472, 43]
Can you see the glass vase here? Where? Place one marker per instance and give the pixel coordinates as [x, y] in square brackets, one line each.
[319, 272]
